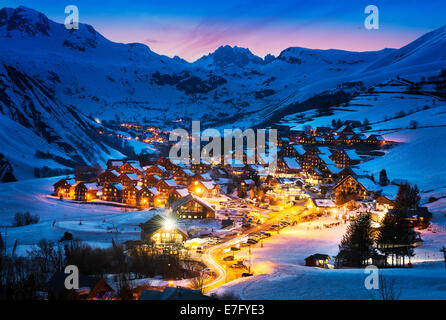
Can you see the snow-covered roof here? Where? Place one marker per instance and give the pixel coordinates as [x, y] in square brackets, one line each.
[208, 184]
[324, 157]
[368, 184]
[352, 154]
[153, 191]
[171, 183]
[118, 186]
[132, 176]
[292, 163]
[324, 203]
[183, 192]
[299, 148]
[91, 185]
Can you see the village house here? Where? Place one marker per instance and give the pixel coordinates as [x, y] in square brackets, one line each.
[148, 197]
[62, 187]
[165, 187]
[193, 207]
[288, 165]
[375, 139]
[131, 167]
[317, 205]
[317, 260]
[130, 195]
[108, 176]
[92, 191]
[113, 192]
[114, 164]
[345, 129]
[204, 189]
[183, 176]
[128, 179]
[360, 188]
[345, 157]
[78, 192]
[162, 230]
[150, 180]
[157, 169]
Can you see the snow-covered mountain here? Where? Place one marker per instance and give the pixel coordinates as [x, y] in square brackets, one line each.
[54, 82]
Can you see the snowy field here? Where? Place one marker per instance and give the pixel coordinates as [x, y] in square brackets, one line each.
[93, 223]
[280, 272]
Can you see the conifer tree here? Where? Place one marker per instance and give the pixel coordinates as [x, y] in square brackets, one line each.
[383, 180]
[357, 244]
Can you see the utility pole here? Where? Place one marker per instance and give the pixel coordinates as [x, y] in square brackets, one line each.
[249, 267]
[444, 254]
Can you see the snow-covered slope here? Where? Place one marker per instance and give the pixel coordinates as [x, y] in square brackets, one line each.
[73, 76]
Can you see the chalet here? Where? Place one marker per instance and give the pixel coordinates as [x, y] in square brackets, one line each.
[321, 131]
[183, 176]
[345, 129]
[295, 136]
[62, 187]
[201, 167]
[158, 170]
[344, 139]
[165, 163]
[357, 138]
[329, 138]
[205, 189]
[345, 157]
[375, 139]
[162, 230]
[78, 192]
[166, 186]
[287, 151]
[108, 176]
[386, 200]
[179, 193]
[113, 192]
[150, 180]
[130, 195]
[92, 191]
[128, 179]
[317, 260]
[131, 167]
[360, 188]
[289, 165]
[313, 175]
[114, 164]
[320, 205]
[148, 197]
[193, 207]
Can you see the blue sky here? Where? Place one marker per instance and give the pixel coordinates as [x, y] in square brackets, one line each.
[191, 29]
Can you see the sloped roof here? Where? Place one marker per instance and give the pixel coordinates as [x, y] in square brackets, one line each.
[157, 222]
[352, 154]
[324, 203]
[299, 148]
[292, 163]
[191, 197]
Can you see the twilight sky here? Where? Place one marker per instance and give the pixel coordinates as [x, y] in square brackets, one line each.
[194, 28]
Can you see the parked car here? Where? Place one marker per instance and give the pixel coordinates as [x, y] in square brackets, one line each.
[252, 241]
[228, 258]
[246, 274]
[235, 248]
[237, 265]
